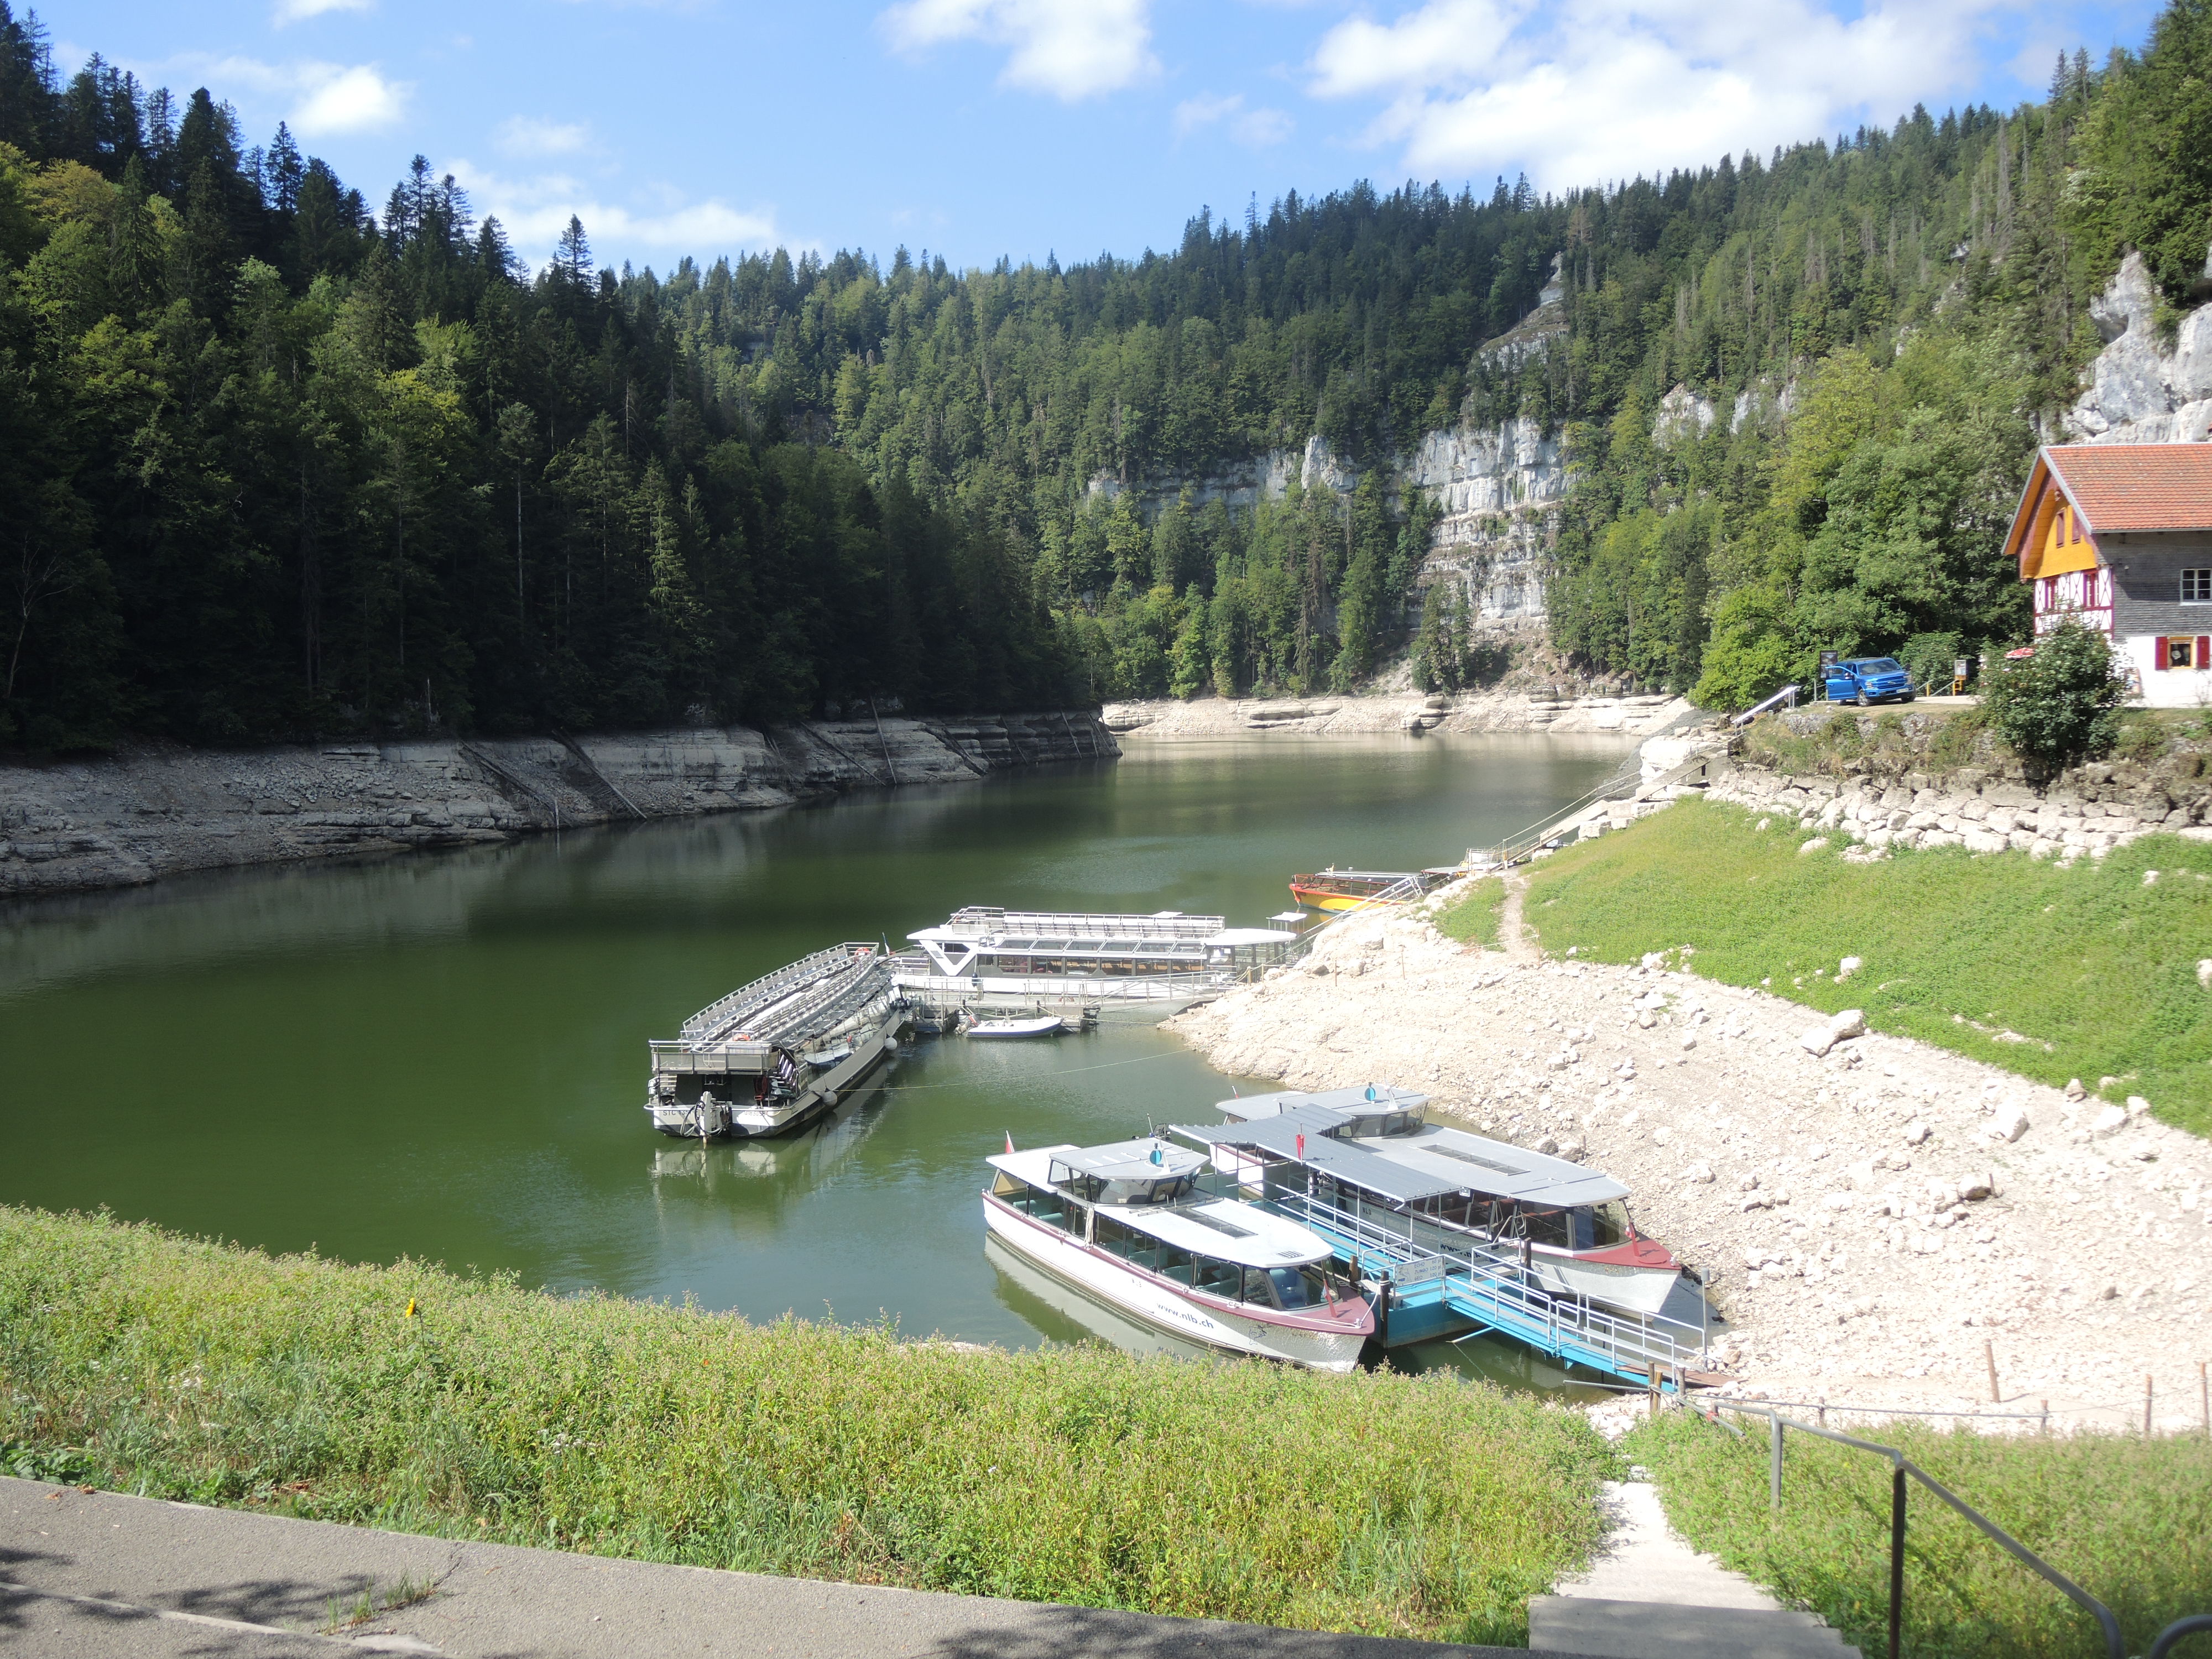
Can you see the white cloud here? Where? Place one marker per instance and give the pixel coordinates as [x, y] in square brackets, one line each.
[1072, 49]
[295, 11]
[354, 99]
[1254, 128]
[1600, 89]
[535, 211]
[526, 135]
[326, 98]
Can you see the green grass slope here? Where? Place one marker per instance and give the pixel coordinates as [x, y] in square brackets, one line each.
[2096, 970]
[409, 1398]
[2128, 1520]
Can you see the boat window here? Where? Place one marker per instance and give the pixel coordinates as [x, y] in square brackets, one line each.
[1221, 1279]
[1117, 1239]
[1288, 1288]
[1174, 1264]
[1012, 1189]
[1599, 1226]
[1220, 1226]
[1546, 1227]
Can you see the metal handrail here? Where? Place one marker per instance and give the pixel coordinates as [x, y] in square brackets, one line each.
[770, 988]
[1787, 694]
[1901, 1467]
[1499, 1276]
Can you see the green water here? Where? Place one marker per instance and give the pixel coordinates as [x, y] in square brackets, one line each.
[444, 1056]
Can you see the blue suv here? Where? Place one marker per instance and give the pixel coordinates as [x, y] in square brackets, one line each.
[1863, 680]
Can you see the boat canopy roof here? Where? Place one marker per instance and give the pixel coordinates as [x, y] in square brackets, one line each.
[989, 921]
[1358, 1100]
[1229, 938]
[1223, 1229]
[1431, 1163]
[1130, 1160]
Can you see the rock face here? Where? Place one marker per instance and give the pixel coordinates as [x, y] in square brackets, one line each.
[151, 811]
[1500, 487]
[2138, 393]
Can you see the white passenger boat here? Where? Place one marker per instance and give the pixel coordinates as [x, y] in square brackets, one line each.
[1125, 1224]
[1044, 1025]
[776, 1054]
[1372, 1154]
[1166, 957]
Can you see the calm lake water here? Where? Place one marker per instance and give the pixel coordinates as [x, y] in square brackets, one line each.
[444, 1056]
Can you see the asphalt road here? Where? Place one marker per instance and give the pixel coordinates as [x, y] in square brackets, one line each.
[90, 1575]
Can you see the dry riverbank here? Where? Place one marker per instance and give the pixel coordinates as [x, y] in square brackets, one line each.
[1829, 1200]
[155, 810]
[1384, 712]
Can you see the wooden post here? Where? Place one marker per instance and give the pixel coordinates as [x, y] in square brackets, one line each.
[1820, 1411]
[2146, 1406]
[1652, 1368]
[2044, 1426]
[1989, 1353]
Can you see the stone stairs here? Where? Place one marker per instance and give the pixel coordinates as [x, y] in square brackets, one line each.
[1649, 1596]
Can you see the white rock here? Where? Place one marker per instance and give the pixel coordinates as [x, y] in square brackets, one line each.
[2074, 1088]
[1849, 966]
[2205, 973]
[1837, 1201]
[1660, 1137]
[2137, 1106]
[1749, 1183]
[1571, 1150]
[2011, 1124]
[1689, 1042]
[1975, 1188]
[1916, 1132]
[1546, 1145]
[1813, 846]
[1699, 1175]
[1851, 1022]
[1817, 1041]
[2112, 1120]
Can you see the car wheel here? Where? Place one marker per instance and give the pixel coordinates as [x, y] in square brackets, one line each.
[1908, 696]
[1865, 702]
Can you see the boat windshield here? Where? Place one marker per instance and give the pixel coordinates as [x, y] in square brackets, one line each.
[1381, 1125]
[1598, 1226]
[1292, 1289]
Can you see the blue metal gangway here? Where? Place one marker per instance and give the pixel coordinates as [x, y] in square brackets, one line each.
[1491, 1290]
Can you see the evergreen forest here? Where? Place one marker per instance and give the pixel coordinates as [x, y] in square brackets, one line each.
[278, 461]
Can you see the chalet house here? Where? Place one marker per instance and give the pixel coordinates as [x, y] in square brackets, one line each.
[2119, 537]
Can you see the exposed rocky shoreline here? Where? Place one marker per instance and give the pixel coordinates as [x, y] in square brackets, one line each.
[1379, 713]
[153, 809]
[1868, 1211]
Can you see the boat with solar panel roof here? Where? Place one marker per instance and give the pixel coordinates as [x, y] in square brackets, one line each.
[1129, 1225]
[1371, 1154]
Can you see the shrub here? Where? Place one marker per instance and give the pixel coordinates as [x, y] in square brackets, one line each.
[2058, 706]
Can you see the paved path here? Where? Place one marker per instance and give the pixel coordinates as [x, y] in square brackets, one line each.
[88, 1576]
[1646, 1560]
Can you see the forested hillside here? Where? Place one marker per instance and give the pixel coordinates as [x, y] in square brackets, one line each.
[271, 463]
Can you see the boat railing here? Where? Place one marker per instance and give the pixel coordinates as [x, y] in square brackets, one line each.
[791, 984]
[1495, 1282]
[1077, 925]
[767, 987]
[918, 973]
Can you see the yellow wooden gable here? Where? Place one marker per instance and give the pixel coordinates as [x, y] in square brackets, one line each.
[2055, 539]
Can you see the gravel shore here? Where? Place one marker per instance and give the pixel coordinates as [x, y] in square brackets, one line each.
[1867, 1217]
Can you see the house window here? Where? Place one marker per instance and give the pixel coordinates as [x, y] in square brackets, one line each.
[2197, 586]
[2178, 651]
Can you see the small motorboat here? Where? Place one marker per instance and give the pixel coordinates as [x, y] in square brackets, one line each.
[1044, 1025]
[1128, 1225]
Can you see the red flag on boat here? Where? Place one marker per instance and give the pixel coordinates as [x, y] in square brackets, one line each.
[1010, 1140]
[1301, 1142]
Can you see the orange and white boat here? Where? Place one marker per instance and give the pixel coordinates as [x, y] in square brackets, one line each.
[1355, 889]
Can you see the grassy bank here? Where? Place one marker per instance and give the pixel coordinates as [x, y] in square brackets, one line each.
[409, 1398]
[1473, 919]
[2094, 970]
[2129, 1520]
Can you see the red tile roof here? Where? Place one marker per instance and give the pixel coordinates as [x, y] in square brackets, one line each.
[2121, 487]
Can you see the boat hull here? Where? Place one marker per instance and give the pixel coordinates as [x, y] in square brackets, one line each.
[733, 1122]
[1638, 1290]
[1203, 1324]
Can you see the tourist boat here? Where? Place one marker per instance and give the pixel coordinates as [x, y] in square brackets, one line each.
[983, 951]
[1043, 1025]
[1128, 1225]
[1372, 1154]
[774, 1055]
[1355, 889]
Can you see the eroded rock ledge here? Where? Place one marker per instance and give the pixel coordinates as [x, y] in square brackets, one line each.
[152, 810]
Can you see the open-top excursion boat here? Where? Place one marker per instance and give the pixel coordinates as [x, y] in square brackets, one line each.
[1355, 889]
[1166, 957]
[775, 1055]
[1372, 1154]
[1125, 1224]
[1037, 1026]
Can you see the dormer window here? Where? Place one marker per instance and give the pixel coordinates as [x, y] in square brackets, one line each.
[2197, 586]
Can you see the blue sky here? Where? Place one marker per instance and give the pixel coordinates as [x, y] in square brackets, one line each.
[978, 128]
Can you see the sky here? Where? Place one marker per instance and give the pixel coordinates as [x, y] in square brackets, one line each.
[982, 129]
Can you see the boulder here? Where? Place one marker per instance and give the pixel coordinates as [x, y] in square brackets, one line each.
[1916, 1132]
[1975, 1188]
[2011, 1124]
[1847, 967]
[2109, 1120]
[1851, 1022]
[1817, 1041]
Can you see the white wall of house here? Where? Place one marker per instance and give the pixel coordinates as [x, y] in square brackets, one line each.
[2166, 687]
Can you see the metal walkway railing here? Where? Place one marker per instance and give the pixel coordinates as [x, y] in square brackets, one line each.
[779, 1003]
[1902, 1468]
[1492, 1288]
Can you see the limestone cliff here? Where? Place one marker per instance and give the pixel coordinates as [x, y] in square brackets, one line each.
[2138, 391]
